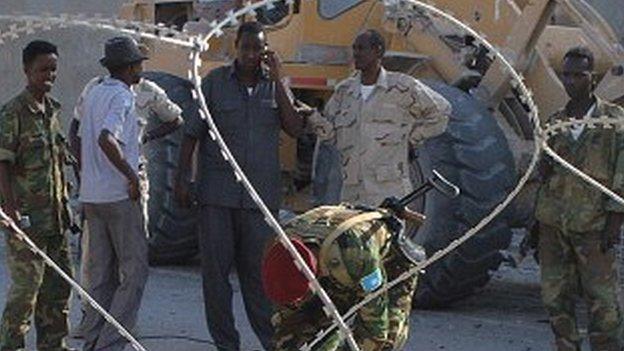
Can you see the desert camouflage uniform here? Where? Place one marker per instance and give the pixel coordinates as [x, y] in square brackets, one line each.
[572, 216]
[31, 141]
[151, 103]
[352, 265]
[373, 135]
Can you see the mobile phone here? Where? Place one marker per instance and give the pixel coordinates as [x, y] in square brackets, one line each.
[24, 222]
[264, 55]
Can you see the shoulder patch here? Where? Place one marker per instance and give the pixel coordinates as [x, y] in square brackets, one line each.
[13, 106]
[372, 281]
[345, 84]
[398, 77]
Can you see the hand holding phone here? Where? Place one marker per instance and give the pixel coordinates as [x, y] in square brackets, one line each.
[24, 222]
[272, 61]
[264, 54]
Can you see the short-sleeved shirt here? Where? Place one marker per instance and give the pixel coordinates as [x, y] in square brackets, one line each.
[109, 105]
[32, 142]
[566, 201]
[373, 135]
[250, 125]
[151, 104]
[151, 101]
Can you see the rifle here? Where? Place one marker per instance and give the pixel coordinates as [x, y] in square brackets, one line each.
[410, 250]
[436, 181]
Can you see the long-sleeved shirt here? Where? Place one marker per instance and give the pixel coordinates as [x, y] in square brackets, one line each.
[566, 201]
[373, 134]
[32, 142]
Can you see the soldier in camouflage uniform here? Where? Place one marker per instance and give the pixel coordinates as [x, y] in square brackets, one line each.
[372, 118]
[578, 224]
[357, 254]
[32, 184]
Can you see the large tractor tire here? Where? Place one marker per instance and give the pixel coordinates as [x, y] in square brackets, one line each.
[173, 235]
[473, 153]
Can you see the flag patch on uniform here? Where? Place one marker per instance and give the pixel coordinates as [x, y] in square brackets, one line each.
[372, 281]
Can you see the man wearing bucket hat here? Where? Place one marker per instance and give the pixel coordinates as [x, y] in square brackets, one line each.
[353, 252]
[152, 104]
[109, 190]
[153, 107]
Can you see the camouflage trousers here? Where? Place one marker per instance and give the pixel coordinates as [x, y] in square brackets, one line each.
[295, 327]
[572, 264]
[399, 299]
[38, 289]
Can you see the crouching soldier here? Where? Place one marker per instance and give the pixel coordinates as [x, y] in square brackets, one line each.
[353, 252]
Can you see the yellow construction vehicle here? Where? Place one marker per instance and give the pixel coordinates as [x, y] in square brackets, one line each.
[489, 135]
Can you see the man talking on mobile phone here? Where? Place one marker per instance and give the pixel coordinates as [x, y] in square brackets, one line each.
[250, 105]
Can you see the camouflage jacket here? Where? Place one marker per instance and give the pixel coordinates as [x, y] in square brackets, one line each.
[373, 135]
[32, 141]
[352, 265]
[566, 201]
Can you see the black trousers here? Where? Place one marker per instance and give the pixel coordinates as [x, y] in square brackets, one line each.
[234, 238]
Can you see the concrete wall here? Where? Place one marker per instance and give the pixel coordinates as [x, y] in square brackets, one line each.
[80, 47]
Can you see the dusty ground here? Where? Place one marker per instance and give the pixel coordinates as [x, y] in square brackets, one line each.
[505, 316]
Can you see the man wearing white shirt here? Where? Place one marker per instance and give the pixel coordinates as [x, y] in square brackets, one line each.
[151, 104]
[109, 189]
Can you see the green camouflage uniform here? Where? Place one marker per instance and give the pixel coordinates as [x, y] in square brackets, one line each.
[31, 141]
[572, 216]
[352, 265]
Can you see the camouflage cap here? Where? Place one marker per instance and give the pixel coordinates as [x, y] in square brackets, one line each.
[283, 282]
